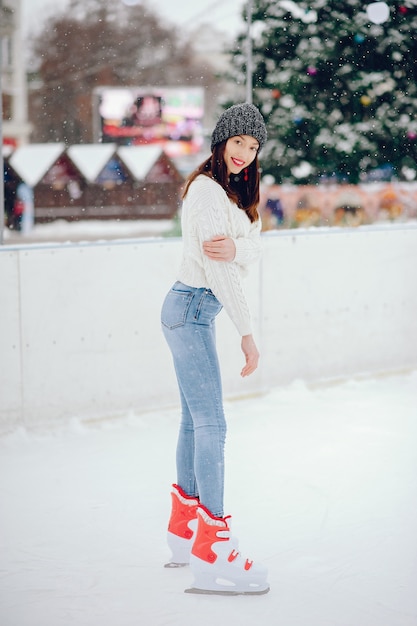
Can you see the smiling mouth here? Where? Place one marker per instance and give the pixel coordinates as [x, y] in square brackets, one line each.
[238, 162]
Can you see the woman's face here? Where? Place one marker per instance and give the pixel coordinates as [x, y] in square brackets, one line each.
[239, 153]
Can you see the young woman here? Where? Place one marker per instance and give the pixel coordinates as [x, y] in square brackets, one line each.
[221, 237]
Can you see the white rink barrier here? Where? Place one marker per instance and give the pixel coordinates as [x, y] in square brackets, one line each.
[80, 332]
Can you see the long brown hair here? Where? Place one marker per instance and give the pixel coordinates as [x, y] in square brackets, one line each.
[245, 193]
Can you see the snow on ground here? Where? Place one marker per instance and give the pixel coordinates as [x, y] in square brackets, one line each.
[321, 482]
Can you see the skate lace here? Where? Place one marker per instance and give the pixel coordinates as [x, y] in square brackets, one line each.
[233, 556]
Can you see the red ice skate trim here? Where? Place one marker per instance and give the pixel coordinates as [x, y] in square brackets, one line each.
[182, 513]
[183, 494]
[207, 535]
[232, 556]
[215, 518]
[248, 564]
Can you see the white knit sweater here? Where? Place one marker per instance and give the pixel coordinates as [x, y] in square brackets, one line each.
[207, 212]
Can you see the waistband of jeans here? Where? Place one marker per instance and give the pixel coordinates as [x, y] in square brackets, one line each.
[193, 289]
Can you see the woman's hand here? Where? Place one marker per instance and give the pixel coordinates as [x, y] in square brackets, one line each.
[251, 353]
[220, 248]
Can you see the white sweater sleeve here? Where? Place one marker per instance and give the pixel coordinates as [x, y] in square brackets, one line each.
[248, 249]
[211, 211]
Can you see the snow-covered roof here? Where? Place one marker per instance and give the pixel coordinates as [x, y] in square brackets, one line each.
[31, 162]
[90, 159]
[139, 159]
[7, 150]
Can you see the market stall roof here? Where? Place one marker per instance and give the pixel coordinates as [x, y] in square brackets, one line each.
[91, 159]
[7, 150]
[140, 159]
[31, 162]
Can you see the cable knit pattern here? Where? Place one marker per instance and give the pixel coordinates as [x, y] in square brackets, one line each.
[207, 212]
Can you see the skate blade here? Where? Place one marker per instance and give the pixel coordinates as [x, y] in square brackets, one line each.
[223, 592]
[175, 565]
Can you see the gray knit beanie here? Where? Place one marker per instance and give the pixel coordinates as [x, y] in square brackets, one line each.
[240, 119]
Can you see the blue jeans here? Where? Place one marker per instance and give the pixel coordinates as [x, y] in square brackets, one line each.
[188, 316]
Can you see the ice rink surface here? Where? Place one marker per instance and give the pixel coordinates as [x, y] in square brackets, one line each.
[321, 483]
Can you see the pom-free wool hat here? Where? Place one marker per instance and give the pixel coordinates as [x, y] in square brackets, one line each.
[240, 119]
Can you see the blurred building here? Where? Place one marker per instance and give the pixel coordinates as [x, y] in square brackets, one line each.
[16, 128]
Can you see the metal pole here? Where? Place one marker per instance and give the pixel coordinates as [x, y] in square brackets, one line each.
[249, 69]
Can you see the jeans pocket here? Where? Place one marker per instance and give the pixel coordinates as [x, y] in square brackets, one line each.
[208, 308]
[175, 307]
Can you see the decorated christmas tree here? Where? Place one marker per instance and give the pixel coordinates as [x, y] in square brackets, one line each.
[337, 83]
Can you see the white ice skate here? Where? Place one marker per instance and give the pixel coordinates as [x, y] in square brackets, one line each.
[182, 526]
[218, 566]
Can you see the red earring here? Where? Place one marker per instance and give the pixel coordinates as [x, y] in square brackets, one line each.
[245, 175]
